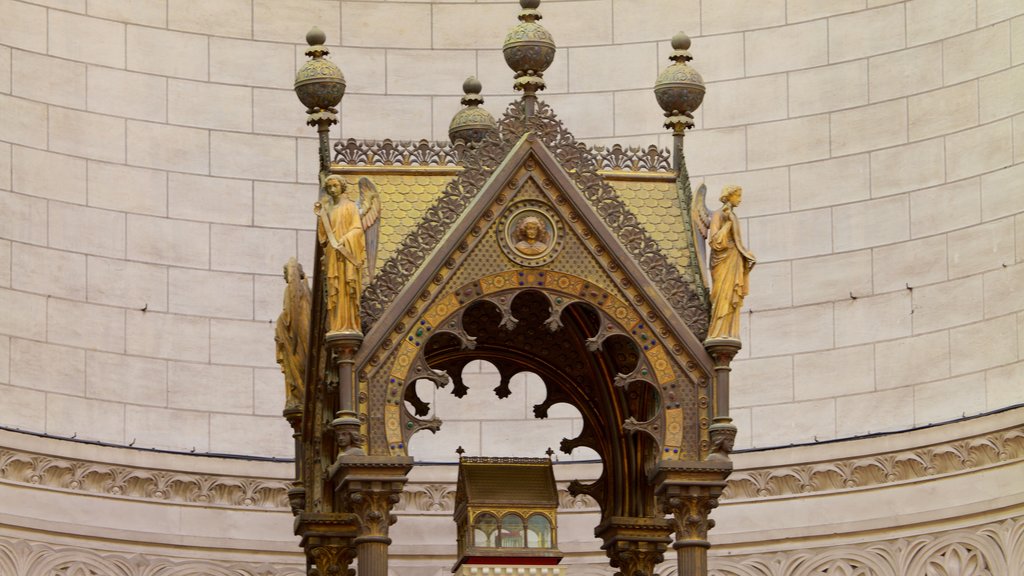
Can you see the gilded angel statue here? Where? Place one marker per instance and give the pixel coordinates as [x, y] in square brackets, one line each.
[291, 335]
[348, 233]
[730, 261]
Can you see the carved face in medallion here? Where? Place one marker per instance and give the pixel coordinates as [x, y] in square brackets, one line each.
[530, 234]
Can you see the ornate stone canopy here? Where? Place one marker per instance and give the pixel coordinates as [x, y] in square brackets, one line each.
[536, 254]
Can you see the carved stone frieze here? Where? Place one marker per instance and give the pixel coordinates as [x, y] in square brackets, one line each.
[179, 486]
[131, 482]
[23, 558]
[937, 459]
[990, 550]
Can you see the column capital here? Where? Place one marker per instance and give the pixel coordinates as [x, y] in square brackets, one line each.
[690, 504]
[330, 557]
[369, 487]
[635, 545]
[722, 350]
[328, 541]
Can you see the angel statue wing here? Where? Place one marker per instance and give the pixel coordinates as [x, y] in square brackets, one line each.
[369, 214]
[700, 213]
[700, 217]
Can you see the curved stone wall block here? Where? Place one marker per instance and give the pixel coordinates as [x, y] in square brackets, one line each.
[156, 172]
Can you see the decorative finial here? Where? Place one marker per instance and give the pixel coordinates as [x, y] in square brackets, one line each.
[679, 88]
[320, 85]
[472, 86]
[681, 42]
[549, 451]
[316, 37]
[460, 451]
[472, 123]
[529, 49]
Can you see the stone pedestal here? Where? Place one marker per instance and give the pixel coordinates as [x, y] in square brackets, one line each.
[343, 347]
[722, 430]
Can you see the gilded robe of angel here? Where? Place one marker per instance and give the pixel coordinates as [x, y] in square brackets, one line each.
[340, 231]
[730, 267]
[291, 335]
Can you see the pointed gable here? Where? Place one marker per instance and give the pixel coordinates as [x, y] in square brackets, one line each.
[678, 279]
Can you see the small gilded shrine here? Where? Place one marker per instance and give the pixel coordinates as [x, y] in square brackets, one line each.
[599, 269]
[505, 510]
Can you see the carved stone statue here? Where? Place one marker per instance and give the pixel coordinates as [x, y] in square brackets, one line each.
[339, 230]
[292, 333]
[730, 263]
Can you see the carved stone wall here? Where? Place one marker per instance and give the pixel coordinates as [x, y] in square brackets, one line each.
[943, 501]
[156, 172]
[994, 549]
[988, 550]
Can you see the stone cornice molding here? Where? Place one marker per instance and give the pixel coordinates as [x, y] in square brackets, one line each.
[911, 464]
[925, 462]
[23, 467]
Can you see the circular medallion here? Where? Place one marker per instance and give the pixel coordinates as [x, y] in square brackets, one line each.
[530, 234]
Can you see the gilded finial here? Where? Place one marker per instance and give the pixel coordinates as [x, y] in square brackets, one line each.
[529, 50]
[319, 84]
[679, 88]
[472, 123]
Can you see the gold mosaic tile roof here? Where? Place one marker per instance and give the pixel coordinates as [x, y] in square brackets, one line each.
[407, 192]
[526, 482]
[404, 195]
[656, 205]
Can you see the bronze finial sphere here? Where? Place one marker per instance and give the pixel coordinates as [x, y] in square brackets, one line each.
[472, 86]
[472, 123]
[681, 41]
[315, 37]
[319, 84]
[679, 88]
[529, 49]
